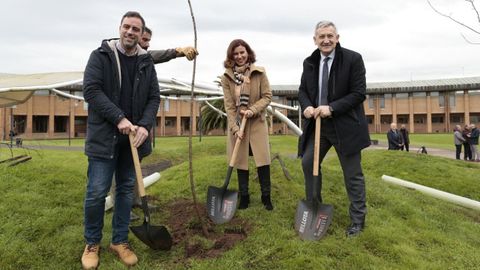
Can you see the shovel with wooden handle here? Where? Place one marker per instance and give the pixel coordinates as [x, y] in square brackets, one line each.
[221, 202]
[156, 237]
[313, 217]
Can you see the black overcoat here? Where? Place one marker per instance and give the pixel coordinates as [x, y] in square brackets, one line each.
[346, 93]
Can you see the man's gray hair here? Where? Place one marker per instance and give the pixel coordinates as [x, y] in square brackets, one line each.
[323, 24]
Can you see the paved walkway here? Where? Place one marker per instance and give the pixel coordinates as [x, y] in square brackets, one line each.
[414, 149]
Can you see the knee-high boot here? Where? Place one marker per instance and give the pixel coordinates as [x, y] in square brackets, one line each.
[265, 185]
[243, 188]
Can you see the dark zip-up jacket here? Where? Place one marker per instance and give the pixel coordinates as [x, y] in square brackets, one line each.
[346, 93]
[101, 90]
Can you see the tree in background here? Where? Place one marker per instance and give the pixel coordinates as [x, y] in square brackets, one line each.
[461, 22]
[212, 119]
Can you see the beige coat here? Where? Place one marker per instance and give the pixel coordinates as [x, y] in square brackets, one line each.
[256, 129]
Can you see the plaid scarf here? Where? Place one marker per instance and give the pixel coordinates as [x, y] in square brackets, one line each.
[241, 79]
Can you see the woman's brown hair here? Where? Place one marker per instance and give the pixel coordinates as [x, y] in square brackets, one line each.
[229, 61]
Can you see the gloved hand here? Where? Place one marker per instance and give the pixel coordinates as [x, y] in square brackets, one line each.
[188, 52]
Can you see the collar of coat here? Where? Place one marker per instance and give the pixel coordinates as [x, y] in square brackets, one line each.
[314, 58]
[253, 68]
[110, 46]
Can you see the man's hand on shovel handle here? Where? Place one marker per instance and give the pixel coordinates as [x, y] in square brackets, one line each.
[125, 126]
[141, 135]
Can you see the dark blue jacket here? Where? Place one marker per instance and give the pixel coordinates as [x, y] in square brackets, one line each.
[474, 136]
[101, 90]
[346, 93]
[394, 140]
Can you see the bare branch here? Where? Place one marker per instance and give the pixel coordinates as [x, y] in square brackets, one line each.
[474, 9]
[454, 20]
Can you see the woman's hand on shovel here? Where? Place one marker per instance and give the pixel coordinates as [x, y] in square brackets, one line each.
[239, 134]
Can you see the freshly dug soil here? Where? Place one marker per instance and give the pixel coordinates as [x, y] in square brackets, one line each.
[186, 230]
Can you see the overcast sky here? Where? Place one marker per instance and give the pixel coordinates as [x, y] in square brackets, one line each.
[400, 40]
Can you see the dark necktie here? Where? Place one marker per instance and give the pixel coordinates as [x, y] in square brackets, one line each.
[324, 90]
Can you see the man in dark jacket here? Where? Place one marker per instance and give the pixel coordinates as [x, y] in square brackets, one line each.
[161, 56]
[339, 103]
[121, 89]
[405, 138]
[394, 138]
[474, 135]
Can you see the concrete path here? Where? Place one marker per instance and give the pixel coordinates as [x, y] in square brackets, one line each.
[414, 149]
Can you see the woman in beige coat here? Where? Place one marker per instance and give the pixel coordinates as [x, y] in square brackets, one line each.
[242, 77]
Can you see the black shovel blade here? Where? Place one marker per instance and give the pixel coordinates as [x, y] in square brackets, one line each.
[156, 237]
[221, 204]
[312, 219]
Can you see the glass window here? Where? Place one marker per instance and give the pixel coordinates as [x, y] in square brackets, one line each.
[40, 123]
[166, 105]
[370, 102]
[419, 94]
[441, 100]
[437, 119]
[452, 100]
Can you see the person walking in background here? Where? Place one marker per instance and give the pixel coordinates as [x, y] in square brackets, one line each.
[394, 137]
[333, 87]
[121, 87]
[458, 140]
[242, 77]
[474, 134]
[467, 152]
[405, 138]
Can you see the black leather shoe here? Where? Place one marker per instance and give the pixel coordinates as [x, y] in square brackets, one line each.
[355, 229]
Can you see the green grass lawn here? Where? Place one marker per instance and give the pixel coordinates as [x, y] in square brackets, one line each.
[42, 212]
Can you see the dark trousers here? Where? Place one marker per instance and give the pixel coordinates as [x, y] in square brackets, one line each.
[467, 153]
[405, 146]
[352, 172]
[458, 151]
[263, 176]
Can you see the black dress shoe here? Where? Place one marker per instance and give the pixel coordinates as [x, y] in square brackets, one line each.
[355, 229]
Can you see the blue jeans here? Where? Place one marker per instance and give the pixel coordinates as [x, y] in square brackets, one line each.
[100, 173]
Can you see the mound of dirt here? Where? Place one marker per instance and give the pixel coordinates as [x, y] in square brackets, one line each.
[186, 230]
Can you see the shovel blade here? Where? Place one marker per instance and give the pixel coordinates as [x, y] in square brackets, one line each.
[221, 204]
[312, 219]
[156, 237]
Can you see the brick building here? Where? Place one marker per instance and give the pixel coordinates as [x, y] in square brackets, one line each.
[427, 106]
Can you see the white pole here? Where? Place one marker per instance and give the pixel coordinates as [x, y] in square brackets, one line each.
[434, 192]
[285, 119]
[147, 181]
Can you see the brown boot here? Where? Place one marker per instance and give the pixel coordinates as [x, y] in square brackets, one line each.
[90, 256]
[125, 253]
